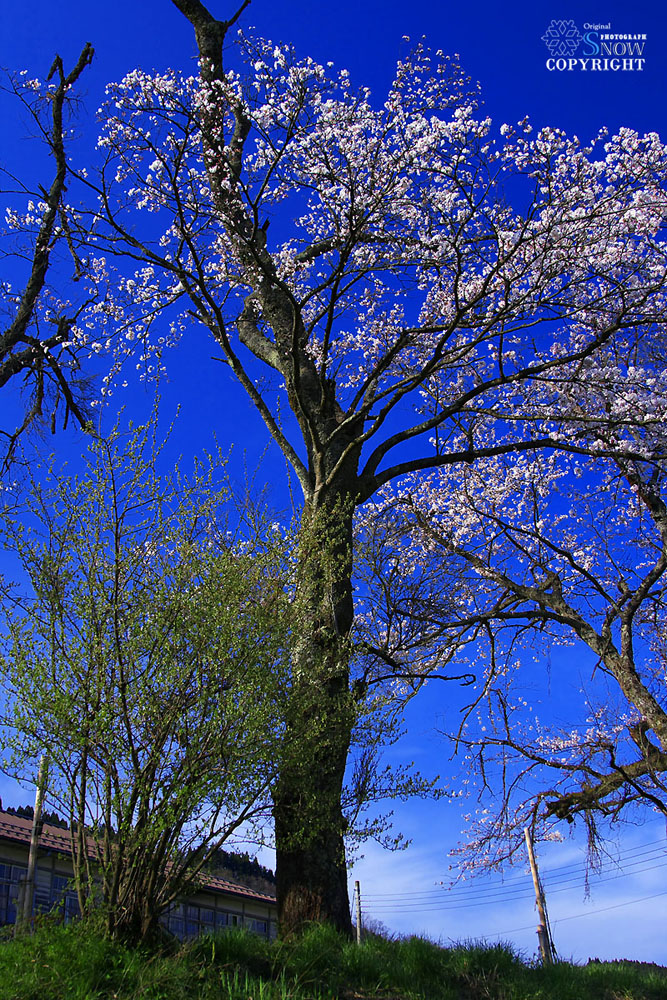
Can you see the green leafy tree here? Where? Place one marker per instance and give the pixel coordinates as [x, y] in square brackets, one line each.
[145, 658]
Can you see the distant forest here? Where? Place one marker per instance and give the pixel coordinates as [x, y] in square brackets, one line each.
[237, 867]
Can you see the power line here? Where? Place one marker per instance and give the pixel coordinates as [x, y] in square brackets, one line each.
[614, 906]
[587, 913]
[434, 901]
[556, 878]
[576, 916]
[650, 845]
[516, 896]
[553, 874]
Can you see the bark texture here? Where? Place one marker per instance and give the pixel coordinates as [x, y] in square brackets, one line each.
[309, 824]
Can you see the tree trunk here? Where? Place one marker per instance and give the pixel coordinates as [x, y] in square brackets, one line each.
[309, 827]
[309, 824]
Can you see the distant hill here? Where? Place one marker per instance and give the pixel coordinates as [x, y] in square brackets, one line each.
[27, 812]
[243, 869]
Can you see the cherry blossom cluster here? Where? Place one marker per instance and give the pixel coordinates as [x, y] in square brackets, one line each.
[399, 253]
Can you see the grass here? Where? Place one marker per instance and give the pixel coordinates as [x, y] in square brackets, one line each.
[76, 963]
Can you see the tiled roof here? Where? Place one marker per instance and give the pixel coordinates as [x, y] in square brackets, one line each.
[18, 829]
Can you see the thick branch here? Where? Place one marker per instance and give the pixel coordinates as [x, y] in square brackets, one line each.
[371, 483]
[591, 797]
[43, 244]
[210, 34]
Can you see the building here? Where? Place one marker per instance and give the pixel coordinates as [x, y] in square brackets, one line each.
[215, 905]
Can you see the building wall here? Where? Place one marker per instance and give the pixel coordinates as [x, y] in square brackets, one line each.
[201, 913]
[53, 876]
[206, 911]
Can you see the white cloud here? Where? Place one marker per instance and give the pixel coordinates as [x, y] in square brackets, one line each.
[402, 891]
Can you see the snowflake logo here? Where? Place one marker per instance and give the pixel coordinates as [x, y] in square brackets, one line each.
[562, 38]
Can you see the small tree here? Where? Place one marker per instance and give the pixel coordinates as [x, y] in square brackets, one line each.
[146, 659]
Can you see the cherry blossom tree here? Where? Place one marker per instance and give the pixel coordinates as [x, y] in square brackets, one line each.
[557, 555]
[37, 342]
[397, 288]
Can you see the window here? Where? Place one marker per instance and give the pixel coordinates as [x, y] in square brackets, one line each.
[42, 896]
[71, 907]
[10, 878]
[191, 921]
[58, 889]
[173, 920]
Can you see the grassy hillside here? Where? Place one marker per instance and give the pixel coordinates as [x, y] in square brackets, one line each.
[74, 963]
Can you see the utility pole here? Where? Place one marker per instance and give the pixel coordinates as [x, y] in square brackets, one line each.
[357, 893]
[543, 935]
[24, 914]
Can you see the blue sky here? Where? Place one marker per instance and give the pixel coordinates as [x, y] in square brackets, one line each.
[502, 47]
